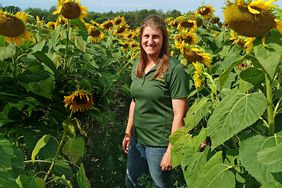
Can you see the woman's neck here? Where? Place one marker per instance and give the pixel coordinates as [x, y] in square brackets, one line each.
[152, 59]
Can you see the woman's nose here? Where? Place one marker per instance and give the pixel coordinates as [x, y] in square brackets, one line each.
[150, 40]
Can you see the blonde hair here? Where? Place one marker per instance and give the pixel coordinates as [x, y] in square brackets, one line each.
[154, 21]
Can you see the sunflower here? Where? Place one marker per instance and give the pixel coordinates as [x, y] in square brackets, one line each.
[187, 24]
[78, 101]
[197, 54]
[13, 27]
[119, 21]
[39, 21]
[71, 9]
[214, 19]
[107, 25]
[130, 35]
[197, 77]
[256, 7]
[187, 37]
[124, 45]
[205, 11]
[95, 33]
[184, 23]
[251, 19]
[61, 21]
[51, 25]
[244, 42]
[278, 25]
[95, 24]
[121, 29]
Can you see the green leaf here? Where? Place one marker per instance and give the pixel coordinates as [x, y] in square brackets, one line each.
[80, 43]
[218, 176]
[234, 113]
[74, 149]
[40, 183]
[253, 76]
[7, 52]
[180, 146]
[198, 139]
[39, 46]
[196, 112]
[225, 75]
[270, 155]
[249, 157]
[177, 134]
[271, 185]
[5, 162]
[193, 170]
[49, 150]
[81, 178]
[26, 182]
[54, 38]
[62, 168]
[268, 57]
[42, 87]
[7, 180]
[45, 59]
[13, 153]
[39, 145]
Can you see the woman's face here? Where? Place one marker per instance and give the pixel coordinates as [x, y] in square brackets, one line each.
[152, 41]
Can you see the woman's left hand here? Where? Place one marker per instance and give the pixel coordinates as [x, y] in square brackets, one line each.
[166, 161]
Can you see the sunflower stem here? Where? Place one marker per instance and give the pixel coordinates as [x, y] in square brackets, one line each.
[213, 93]
[67, 45]
[270, 110]
[56, 155]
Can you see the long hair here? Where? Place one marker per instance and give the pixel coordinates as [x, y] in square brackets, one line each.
[154, 21]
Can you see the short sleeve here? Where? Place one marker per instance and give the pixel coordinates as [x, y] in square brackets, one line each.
[179, 82]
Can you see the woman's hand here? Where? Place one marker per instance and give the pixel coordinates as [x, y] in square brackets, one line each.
[126, 142]
[166, 161]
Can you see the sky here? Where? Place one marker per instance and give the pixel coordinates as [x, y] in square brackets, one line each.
[128, 5]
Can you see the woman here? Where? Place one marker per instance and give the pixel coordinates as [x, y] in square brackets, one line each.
[159, 89]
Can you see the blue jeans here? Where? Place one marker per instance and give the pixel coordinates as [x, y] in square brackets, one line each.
[143, 159]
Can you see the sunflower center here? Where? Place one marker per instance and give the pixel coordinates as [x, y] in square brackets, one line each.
[121, 29]
[125, 45]
[192, 56]
[118, 21]
[184, 24]
[95, 32]
[205, 11]
[188, 40]
[70, 10]
[80, 100]
[108, 25]
[11, 26]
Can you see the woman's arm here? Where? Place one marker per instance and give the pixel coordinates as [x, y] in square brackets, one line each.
[179, 110]
[129, 127]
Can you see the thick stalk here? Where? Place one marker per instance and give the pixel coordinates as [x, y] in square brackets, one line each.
[67, 45]
[270, 114]
[213, 93]
[56, 155]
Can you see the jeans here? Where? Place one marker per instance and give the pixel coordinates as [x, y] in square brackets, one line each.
[143, 159]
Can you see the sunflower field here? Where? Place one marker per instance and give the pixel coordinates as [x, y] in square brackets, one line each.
[64, 97]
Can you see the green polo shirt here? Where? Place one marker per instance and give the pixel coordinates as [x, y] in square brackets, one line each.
[153, 113]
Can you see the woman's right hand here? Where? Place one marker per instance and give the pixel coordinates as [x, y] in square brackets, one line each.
[126, 142]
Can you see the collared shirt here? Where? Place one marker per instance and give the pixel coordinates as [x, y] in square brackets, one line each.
[153, 113]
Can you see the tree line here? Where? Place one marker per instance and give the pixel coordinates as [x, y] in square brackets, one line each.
[133, 18]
